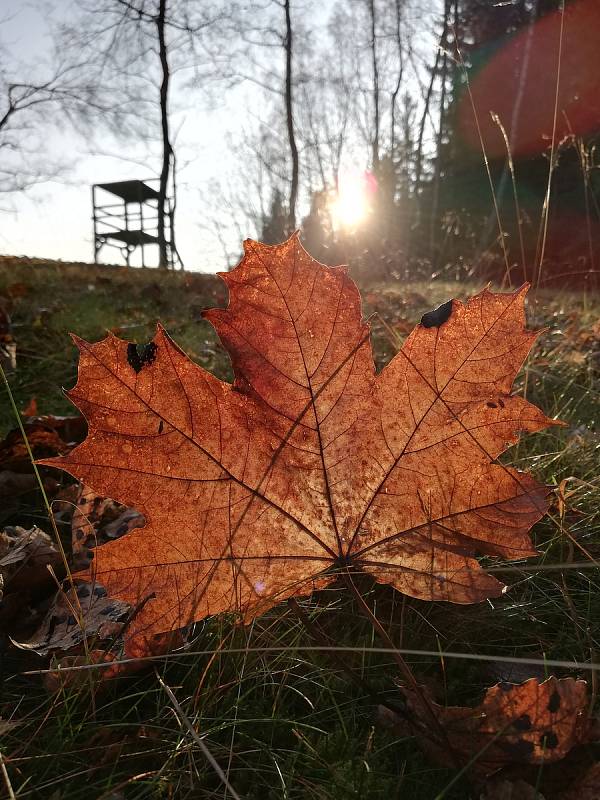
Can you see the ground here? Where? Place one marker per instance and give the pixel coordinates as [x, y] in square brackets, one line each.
[287, 722]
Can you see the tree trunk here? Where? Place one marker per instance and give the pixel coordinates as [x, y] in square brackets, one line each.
[167, 150]
[290, 118]
[394, 97]
[440, 135]
[375, 89]
[428, 96]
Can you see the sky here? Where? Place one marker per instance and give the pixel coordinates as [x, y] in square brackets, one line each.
[54, 219]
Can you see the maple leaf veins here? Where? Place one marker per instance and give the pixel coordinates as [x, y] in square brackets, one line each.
[252, 491]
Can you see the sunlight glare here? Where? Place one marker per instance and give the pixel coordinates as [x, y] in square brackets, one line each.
[351, 205]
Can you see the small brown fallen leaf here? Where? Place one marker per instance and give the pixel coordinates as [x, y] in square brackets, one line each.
[529, 723]
[24, 558]
[47, 436]
[309, 462]
[97, 520]
[73, 616]
[64, 676]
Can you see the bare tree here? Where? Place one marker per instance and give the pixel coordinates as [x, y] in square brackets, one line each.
[33, 98]
[289, 114]
[264, 29]
[376, 96]
[331, 98]
[437, 173]
[323, 121]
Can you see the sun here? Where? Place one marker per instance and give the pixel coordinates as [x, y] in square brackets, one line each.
[351, 204]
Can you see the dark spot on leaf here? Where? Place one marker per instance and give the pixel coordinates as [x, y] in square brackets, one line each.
[501, 402]
[554, 702]
[160, 426]
[491, 405]
[139, 356]
[518, 751]
[522, 723]
[437, 317]
[549, 740]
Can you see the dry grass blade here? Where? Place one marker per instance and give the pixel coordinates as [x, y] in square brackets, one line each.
[192, 731]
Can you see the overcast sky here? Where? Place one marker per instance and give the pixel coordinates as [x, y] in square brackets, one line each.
[53, 220]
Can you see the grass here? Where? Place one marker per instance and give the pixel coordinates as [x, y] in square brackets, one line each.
[288, 724]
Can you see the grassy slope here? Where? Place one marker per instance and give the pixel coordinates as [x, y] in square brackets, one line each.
[290, 725]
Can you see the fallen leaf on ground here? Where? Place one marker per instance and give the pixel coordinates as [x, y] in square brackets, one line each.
[530, 723]
[75, 614]
[25, 579]
[97, 520]
[47, 436]
[253, 492]
[24, 558]
[64, 675]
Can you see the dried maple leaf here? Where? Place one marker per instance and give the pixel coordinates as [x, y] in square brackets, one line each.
[309, 460]
[529, 723]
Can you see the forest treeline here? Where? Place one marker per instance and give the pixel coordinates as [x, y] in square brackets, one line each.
[483, 159]
[470, 125]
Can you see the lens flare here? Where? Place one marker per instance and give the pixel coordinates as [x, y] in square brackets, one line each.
[352, 202]
[522, 86]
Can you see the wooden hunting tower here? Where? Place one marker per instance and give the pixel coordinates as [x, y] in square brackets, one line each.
[131, 220]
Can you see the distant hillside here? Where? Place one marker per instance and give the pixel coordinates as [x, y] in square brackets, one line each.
[74, 268]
